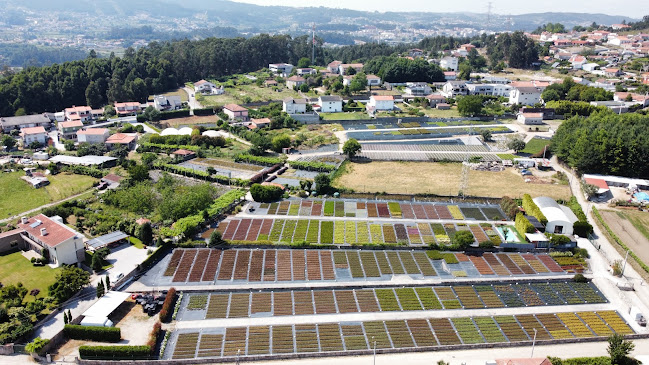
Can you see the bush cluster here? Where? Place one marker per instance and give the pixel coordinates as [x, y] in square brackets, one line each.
[115, 352]
[266, 194]
[167, 306]
[509, 206]
[103, 334]
[523, 225]
[532, 209]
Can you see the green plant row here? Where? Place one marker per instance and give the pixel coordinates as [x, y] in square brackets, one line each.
[619, 241]
[203, 175]
[532, 209]
[258, 160]
[147, 146]
[115, 352]
[311, 166]
[102, 334]
[523, 225]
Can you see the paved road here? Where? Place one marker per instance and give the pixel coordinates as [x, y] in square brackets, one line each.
[44, 206]
[192, 102]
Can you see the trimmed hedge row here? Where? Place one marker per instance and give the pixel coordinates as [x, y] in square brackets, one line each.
[532, 209]
[115, 352]
[311, 166]
[258, 160]
[203, 175]
[523, 225]
[148, 147]
[103, 334]
[174, 114]
[84, 170]
[618, 240]
[204, 111]
[168, 305]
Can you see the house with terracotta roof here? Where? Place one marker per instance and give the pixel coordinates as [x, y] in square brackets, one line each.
[530, 118]
[381, 102]
[260, 123]
[358, 67]
[93, 135]
[52, 238]
[78, 113]
[236, 112]
[183, 155]
[69, 129]
[122, 139]
[33, 134]
[295, 81]
[127, 108]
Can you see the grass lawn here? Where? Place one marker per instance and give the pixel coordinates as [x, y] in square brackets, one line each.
[65, 184]
[345, 116]
[535, 145]
[440, 179]
[312, 135]
[436, 113]
[178, 92]
[136, 242]
[506, 156]
[14, 268]
[191, 120]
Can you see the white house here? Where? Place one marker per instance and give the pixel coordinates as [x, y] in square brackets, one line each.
[489, 89]
[80, 113]
[294, 106]
[306, 71]
[334, 67]
[63, 244]
[590, 67]
[33, 134]
[560, 218]
[127, 108]
[418, 89]
[207, 88]
[331, 104]
[69, 129]
[525, 95]
[93, 135]
[165, 103]
[452, 89]
[450, 75]
[281, 68]
[530, 118]
[449, 63]
[381, 102]
[577, 61]
[295, 81]
[373, 80]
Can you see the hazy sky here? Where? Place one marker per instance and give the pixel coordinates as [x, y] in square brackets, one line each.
[631, 8]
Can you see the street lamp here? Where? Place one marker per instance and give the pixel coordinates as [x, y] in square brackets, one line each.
[533, 343]
[374, 347]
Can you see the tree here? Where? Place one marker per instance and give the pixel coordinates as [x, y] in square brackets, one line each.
[139, 173]
[146, 234]
[69, 145]
[322, 183]
[516, 144]
[69, 316]
[65, 318]
[350, 71]
[359, 83]
[463, 239]
[109, 111]
[151, 113]
[8, 141]
[266, 193]
[486, 135]
[97, 262]
[619, 349]
[304, 62]
[148, 158]
[589, 189]
[469, 105]
[281, 141]
[37, 345]
[13, 295]
[107, 282]
[68, 281]
[465, 71]
[216, 239]
[351, 147]
[100, 289]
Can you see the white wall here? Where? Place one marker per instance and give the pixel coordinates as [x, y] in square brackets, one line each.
[567, 227]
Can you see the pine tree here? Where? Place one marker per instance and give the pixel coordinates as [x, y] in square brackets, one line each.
[65, 318]
[69, 315]
[107, 282]
[100, 289]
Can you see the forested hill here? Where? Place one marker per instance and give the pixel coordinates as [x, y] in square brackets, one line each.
[164, 65]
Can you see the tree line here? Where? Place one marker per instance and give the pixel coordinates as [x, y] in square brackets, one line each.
[605, 143]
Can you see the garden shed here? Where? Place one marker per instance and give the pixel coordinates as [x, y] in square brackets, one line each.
[560, 218]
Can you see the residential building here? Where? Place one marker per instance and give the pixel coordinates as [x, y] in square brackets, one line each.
[418, 89]
[525, 95]
[236, 112]
[166, 103]
[450, 75]
[489, 89]
[261, 123]
[306, 71]
[63, 245]
[530, 118]
[25, 121]
[331, 104]
[295, 82]
[127, 108]
[34, 134]
[373, 80]
[381, 102]
[560, 218]
[93, 135]
[358, 67]
[415, 52]
[183, 155]
[452, 89]
[294, 106]
[334, 67]
[270, 83]
[281, 68]
[590, 67]
[577, 61]
[612, 72]
[129, 140]
[618, 107]
[207, 88]
[434, 99]
[449, 63]
[635, 98]
[78, 113]
[69, 129]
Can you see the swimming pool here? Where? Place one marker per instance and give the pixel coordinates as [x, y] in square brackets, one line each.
[641, 196]
[508, 233]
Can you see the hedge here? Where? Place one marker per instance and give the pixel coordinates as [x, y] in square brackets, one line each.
[204, 111]
[203, 175]
[102, 334]
[168, 305]
[147, 147]
[523, 225]
[174, 114]
[532, 209]
[115, 352]
[258, 160]
[619, 241]
[84, 170]
[311, 166]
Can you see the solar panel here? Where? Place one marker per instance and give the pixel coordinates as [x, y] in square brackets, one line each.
[36, 224]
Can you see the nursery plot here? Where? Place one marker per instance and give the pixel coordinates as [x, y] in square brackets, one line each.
[575, 325]
[554, 326]
[387, 300]
[299, 265]
[467, 330]
[489, 329]
[306, 338]
[256, 265]
[444, 331]
[239, 305]
[282, 340]
[283, 303]
[535, 263]
[330, 337]
[522, 264]
[313, 265]
[212, 265]
[284, 266]
[242, 262]
[258, 340]
[261, 303]
[218, 306]
[185, 346]
[421, 332]
[355, 264]
[210, 345]
[370, 266]
[346, 301]
[511, 328]
[496, 266]
[303, 302]
[400, 334]
[288, 231]
[473, 213]
[382, 261]
[482, 266]
[324, 302]
[269, 265]
[185, 266]
[595, 323]
[529, 323]
[354, 336]
[489, 296]
[509, 264]
[231, 230]
[367, 300]
[235, 340]
[376, 330]
[242, 230]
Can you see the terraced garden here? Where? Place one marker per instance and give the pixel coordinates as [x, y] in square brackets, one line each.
[392, 334]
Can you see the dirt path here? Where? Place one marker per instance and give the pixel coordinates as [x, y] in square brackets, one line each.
[624, 229]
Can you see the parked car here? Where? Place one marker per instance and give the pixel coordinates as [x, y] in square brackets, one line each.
[526, 172]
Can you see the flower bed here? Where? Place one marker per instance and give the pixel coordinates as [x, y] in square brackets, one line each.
[456, 213]
[387, 300]
[327, 233]
[197, 302]
[329, 208]
[488, 296]
[473, 213]
[489, 329]
[339, 232]
[376, 232]
[388, 234]
[369, 264]
[395, 209]
[350, 232]
[408, 299]
[467, 330]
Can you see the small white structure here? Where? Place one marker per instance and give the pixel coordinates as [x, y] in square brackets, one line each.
[381, 102]
[33, 134]
[294, 106]
[525, 95]
[560, 218]
[331, 104]
[280, 68]
[93, 135]
[449, 63]
[418, 89]
[97, 314]
[530, 118]
[207, 88]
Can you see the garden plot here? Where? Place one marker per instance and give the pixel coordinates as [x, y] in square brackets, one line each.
[224, 168]
[392, 334]
[283, 265]
[426, 132]
[429, 156]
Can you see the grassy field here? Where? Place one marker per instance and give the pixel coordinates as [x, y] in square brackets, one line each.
[312, 135]
[248, 93]
[14, 269]
[345, 116]
[17, 196]
[535, 145]
[178, 92]
[436, 113]
[440, 179]
[192, 120]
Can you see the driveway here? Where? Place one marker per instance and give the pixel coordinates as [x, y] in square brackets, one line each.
[192, 102]
[124, 259]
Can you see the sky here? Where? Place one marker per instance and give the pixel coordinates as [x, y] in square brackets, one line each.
[631, 8]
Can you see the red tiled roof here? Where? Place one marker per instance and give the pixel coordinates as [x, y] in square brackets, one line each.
[383, 97]
[93, 131]
[71, 124]
[11, 233]
[597, 182]
[56, 233]
[262, 121]
[120, 138]
[113, 178]
[533, 115]
[296, 78]
[141, 221]
[235, 108]
[32, 130]
[183, 152]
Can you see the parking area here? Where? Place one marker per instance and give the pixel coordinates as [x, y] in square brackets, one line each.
[125, 259]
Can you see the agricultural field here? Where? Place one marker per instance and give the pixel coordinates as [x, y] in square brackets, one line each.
[535, 145]
[241, 94]
[345, 116]
[424, 132]
[441, 179]
[17, 196]
[178, 92]
[196, 266]
[189, 121]
[632, 227]
[391, 334]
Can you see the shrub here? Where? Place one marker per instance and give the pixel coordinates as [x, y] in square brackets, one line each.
[103, 334]
[115, 352]
[582, 229]
[266, 194]
[532, 209]
[36, 346]
[509, 206]
[167, 306]
[523, 225]
[153, 337]
[579, 278]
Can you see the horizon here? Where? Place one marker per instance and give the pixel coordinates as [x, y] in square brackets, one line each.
[499, 7]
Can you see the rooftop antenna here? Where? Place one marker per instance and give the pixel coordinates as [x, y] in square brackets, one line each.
[313, 46]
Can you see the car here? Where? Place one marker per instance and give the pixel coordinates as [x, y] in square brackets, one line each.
[526, 172]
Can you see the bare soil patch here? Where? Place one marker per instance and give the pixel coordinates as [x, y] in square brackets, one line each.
[621, 225]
